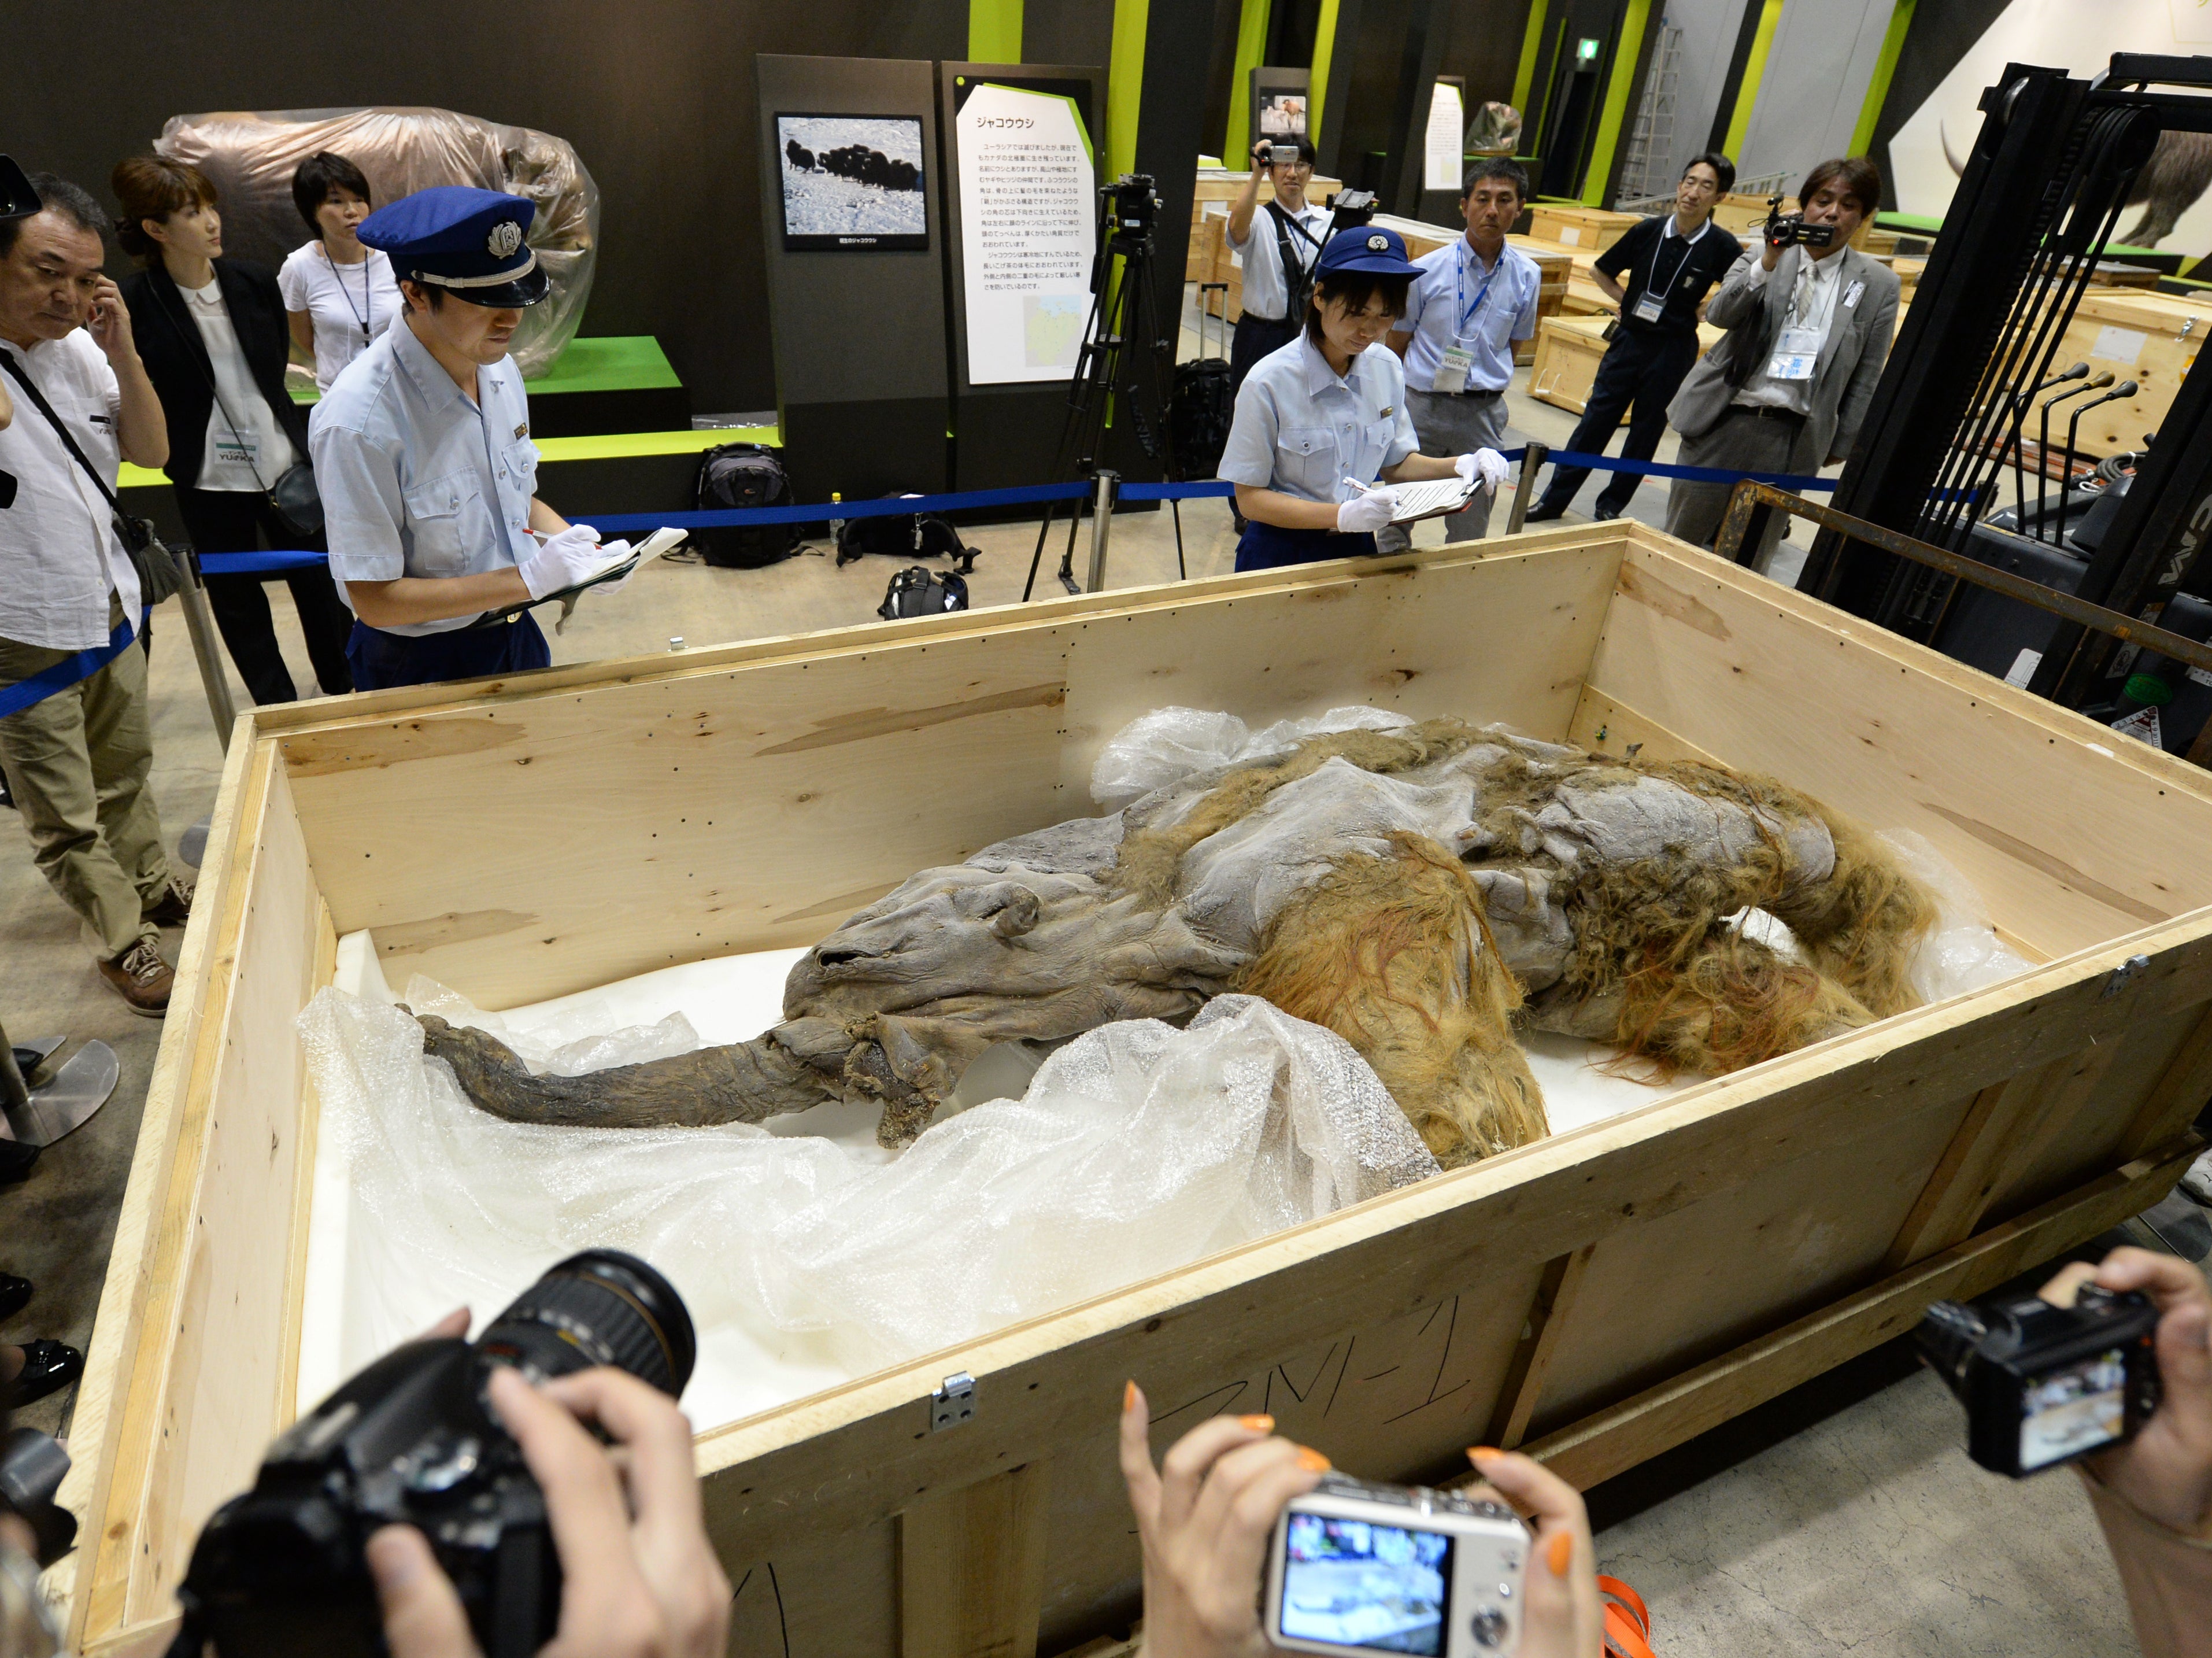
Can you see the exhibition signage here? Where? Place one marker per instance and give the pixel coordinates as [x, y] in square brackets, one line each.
[1027, 233]
[1447, 122]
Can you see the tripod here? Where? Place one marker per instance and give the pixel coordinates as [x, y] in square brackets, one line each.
[1121, 313]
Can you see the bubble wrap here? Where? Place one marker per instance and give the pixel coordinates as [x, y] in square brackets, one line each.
[1136, 1149]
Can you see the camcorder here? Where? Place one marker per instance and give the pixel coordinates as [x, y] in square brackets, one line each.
[1127, 208]
[1348, 210]
[1357, 1567]
[17, 201]
[413, 1440]
[2043, 1385]
[1784, 229]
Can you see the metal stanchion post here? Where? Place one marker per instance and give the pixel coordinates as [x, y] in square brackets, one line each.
[1101, 527]
[199, 622]
[1532, 462]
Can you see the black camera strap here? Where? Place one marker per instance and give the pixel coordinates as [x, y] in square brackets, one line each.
[125, 524]
[1297, 275]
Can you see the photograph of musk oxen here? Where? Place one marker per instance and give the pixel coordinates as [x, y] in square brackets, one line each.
[852, 181]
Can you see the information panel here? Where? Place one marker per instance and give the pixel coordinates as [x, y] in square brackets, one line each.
[1027, 230]
[1441, 152]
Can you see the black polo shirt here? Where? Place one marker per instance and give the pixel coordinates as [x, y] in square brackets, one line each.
[1688, 274]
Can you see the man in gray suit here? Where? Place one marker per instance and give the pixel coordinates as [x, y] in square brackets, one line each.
[1808, 330]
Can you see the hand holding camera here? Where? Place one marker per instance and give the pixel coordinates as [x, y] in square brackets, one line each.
[1784, 229]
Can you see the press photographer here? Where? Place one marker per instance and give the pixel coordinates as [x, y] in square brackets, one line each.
[1809, 321]
[450, 1495]
[1279, 260]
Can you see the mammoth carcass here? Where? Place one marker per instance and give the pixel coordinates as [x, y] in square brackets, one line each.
[1418, 890]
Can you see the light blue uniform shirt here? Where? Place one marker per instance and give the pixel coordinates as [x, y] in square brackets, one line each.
[1457, 300]
[1302, 430]
[415, 479]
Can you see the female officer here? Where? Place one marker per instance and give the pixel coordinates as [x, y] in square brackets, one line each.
[1320, 417]
[423, 450]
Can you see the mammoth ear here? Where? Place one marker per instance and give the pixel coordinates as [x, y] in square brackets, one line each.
[1011, 910]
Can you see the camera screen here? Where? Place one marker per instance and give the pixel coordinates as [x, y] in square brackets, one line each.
[1382, 1588]
[2074, 1410]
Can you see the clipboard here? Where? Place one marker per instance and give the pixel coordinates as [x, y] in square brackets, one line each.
[1433, 499]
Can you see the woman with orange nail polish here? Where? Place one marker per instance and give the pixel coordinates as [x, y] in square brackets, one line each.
[1206, 1519]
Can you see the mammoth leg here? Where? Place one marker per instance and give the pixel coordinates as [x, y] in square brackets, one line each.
[743, 1082]
[1730, 1003]
[1395, 956]
[1862, 925]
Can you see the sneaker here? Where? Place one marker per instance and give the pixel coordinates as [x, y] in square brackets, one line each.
[174, 907]
[141, 978]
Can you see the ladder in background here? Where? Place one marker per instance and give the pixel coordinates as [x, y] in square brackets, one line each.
[1646, 171]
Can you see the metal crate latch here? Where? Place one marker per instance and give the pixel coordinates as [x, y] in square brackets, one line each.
[953, 1403]
[2124, 975]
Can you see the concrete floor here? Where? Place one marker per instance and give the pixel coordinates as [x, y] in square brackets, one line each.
[1842, 1517]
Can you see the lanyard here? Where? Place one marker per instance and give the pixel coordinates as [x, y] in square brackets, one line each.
[367, 293]
[1652, 283]
[1459, 286]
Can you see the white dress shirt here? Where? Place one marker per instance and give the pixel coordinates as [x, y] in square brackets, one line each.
[417, 480]
[348, 305]
[1261, 258]
[1812, 307]
[255, 453]
[60, 558]
[1301, 429]
[1457, 300]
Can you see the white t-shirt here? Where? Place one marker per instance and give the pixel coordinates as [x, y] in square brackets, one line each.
[254, 453]
[350, 305]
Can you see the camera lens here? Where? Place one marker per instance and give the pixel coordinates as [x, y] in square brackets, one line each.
[599, 1307]
[1948, 1337]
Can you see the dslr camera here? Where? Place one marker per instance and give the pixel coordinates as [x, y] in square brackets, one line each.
[2043, 1385]
[1784, 229]
[1358, 1568]
[413, 1439]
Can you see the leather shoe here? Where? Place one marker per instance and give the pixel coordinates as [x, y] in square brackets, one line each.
[174, 906]
[15, 1296]
[1542, 512]
[1604, 516]
[48, 1367]
[141, 978]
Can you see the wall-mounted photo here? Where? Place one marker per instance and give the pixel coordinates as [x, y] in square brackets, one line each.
[1283, 114]
[852, 181]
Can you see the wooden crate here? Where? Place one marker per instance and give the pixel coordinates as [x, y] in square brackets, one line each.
[1596, 229]
[2151, 338]
[1567, 352]
[1597, 1296]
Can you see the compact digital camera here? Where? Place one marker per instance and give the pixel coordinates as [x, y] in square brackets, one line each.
[1358, 1567]
[2043, 1385]
[412, 1439]
[1784, 229]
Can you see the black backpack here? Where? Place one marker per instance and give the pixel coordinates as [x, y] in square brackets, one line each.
[1201, 405]
[917, 591]
[918, 535]
[737, 475]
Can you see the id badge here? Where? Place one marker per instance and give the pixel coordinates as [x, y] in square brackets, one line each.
[1648, 307]
[239, 449]
[1796, 355]
[1451, 373]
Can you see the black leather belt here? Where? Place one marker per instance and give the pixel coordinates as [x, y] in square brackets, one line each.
[1766, 411]
[1470, 392]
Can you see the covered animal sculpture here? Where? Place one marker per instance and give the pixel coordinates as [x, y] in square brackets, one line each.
[1414, 889]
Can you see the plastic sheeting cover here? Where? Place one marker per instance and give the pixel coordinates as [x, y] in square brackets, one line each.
[250, 157]
[1136, 1149]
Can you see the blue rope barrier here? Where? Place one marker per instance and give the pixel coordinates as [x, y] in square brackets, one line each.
[1691, 474]
[624, 523]
[25, 693]
[258, 563]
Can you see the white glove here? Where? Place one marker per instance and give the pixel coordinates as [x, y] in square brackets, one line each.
[562, 561]
[1485, 468]
[1368, 512]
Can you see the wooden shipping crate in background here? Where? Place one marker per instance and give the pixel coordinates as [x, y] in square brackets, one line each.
[1594, 228]
[2152, 339]
[1597, 1296]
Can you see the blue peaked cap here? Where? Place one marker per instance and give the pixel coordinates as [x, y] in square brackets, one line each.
[472, 243]
[1363, 248]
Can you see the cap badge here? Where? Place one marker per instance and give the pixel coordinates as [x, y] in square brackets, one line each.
[505, 237]
[1378, 243]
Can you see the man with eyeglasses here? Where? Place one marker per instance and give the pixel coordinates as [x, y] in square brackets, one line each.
[1278, 248]
[1671, 262]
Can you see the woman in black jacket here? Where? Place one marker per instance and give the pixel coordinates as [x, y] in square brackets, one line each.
[212, 333]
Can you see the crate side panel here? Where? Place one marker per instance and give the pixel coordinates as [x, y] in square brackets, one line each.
[536, 846]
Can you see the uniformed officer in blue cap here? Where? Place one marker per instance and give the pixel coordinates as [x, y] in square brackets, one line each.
[422, 454]
[1320, 418]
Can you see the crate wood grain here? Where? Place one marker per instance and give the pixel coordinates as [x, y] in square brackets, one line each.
[1597, 1296]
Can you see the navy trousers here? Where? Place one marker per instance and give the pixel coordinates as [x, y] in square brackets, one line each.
[380, 660]
[1268, 546]
[1642, 369]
